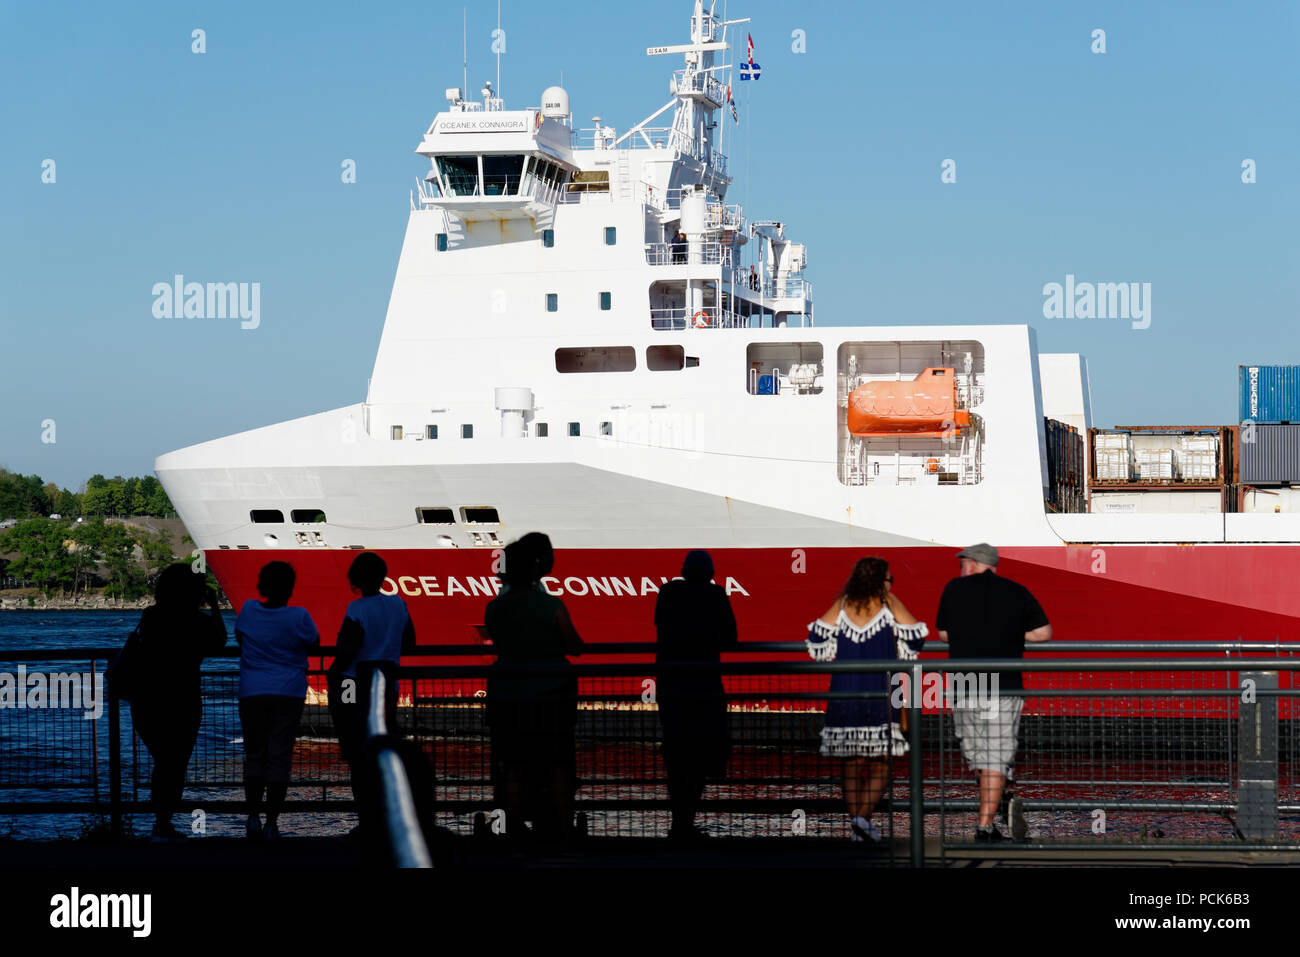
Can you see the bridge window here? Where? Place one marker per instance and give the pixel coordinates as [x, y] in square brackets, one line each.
[266, 516]
[552, 302]
[606, 301]
[596, 359]
[460, 173]
[501, 175]
[611, 235]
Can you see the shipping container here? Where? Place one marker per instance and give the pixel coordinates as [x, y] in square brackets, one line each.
[1269, 394]
[1064, 475]
[1269, 453]
[1156, 501]
[1280, 500]
[1164, 454]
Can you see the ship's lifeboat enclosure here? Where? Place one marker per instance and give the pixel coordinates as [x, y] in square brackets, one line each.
[907, 413]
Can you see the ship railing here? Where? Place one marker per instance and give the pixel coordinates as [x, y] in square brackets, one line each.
[670, 254]
[1206, 746]
[697, 82]
[800, 289]
[706, 317]
[662, 200]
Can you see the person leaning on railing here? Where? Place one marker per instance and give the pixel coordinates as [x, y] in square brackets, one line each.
[531, 717]
[167, 708]
[375, 628]
[866, 622]
[273, 641]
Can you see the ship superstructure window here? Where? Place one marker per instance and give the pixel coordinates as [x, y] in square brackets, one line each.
[596, 359]
[548, 238]
[442, 242]
[552, 302]
[611, 235]
[460, 173]
[575, 429]
[543, 430]
[467, 431]
[480, 516]
[665, 358]
[607, 428]
[307, 516]
[266, 516]
[502, 174]
[606, 301]
[430, 431]
[396, 433]
[435, 516]
[784, 368]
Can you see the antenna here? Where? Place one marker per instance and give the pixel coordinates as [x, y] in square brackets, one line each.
[464, 47]
[498, 39]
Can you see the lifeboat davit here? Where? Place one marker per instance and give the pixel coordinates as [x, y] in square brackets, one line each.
[926, 407]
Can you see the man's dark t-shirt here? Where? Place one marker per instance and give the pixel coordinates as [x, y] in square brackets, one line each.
[986, 616]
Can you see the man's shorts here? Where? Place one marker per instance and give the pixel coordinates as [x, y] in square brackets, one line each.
[988, 740]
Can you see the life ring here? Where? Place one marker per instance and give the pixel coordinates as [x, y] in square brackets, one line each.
[700, 320]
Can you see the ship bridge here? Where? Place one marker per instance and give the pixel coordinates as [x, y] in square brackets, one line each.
[489, 163]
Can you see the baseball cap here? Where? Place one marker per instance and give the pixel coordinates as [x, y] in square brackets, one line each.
[984, 553]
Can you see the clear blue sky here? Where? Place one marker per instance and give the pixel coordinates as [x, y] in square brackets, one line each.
[225, 167]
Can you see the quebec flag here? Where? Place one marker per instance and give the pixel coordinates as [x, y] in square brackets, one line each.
[750, 71]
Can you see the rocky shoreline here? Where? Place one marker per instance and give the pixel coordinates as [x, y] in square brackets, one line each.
[91, 603]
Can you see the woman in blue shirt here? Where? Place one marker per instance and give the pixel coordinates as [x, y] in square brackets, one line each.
[274, 640]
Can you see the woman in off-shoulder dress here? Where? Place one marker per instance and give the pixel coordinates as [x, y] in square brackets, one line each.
[866, 622]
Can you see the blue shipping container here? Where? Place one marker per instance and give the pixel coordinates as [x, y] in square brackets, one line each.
[1269, 394]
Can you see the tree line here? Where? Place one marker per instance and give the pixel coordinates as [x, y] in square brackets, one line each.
[28, 496]
[67, 558]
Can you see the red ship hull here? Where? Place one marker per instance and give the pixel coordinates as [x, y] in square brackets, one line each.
[1090, 593]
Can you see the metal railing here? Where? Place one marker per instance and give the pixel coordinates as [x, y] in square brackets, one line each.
[681, 254]
[1172, 751]
[403, 834]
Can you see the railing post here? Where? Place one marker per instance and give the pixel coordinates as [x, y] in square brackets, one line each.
[915, 780]
[1257, 756]
[114, 764]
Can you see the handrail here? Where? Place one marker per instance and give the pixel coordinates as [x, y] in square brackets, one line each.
[405, 838]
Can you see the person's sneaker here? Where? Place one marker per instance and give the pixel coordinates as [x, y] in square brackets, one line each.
[272, 831]
[989, 835]
[253, 828]
[865, 831]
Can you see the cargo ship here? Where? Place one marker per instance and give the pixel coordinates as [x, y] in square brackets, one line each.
[586, 337]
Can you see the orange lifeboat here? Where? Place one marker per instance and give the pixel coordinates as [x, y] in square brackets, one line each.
[926, 407]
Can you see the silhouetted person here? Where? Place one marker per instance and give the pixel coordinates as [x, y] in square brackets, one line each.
[375, 628]
[175, 637]
[695, 623]
[532, 716]
[679, 247]
[274, 640]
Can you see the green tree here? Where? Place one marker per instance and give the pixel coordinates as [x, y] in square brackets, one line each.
[126, 577]
[68, 503]
[157, 551]
[88, 539]
[22, 496]
[43, 558]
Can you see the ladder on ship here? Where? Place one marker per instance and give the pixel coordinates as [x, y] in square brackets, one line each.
[624, 176]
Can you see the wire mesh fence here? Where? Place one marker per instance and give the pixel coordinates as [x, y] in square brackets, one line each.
[1148, 751]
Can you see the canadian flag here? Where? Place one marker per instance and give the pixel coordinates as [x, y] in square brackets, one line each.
[750, 37]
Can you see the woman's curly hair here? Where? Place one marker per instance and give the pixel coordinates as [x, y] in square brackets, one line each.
[866, 582]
